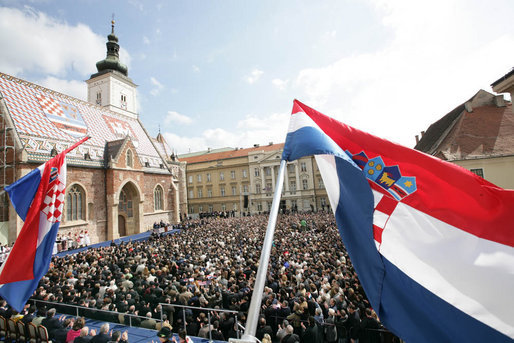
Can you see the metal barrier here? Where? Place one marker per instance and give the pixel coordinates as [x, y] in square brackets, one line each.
[204, 309]
[88, 309]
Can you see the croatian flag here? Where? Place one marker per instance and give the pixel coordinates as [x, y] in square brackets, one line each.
[432, 243]
[38, 198]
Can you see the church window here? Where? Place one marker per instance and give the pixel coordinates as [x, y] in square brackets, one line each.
[158, 198]
[130, 159]
[123, 101]
[75, 203]
[99, 98]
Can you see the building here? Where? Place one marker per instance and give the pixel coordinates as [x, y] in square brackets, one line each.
[242, 181]
[478, 135]
[119, 182]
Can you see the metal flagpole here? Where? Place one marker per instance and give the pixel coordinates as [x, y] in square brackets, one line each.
[260, 280]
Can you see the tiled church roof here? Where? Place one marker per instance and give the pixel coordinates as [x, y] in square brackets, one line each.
[44, 118]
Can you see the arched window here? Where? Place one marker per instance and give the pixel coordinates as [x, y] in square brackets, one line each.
[75, 203]
[130, 159]
[158, 198]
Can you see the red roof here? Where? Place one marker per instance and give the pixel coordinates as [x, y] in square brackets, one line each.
[231, 154]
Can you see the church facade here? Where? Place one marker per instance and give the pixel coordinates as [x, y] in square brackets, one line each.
[119, 182]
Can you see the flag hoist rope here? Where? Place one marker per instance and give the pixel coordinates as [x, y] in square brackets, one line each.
[260, 280]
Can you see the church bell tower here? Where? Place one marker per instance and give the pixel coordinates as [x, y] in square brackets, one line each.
[111, 87]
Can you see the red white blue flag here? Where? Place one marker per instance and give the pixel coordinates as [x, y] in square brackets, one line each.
[38, 198]
[432, 243]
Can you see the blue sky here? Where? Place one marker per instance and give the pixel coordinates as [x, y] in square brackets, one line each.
[225, 73]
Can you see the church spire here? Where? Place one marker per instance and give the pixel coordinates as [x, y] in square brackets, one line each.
[112, 60]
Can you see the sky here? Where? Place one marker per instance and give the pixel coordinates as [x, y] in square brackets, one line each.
[214, 74]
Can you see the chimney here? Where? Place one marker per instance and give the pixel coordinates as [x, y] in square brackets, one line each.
[270, 143]
[208, 149]
[422, 134]
[499, 101]
[417, 139]
[256, 145]
[468, 106]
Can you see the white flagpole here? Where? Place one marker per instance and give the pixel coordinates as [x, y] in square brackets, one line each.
[260, 280]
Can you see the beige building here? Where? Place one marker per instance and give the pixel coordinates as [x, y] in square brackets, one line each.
[478, 135]
[244, 180]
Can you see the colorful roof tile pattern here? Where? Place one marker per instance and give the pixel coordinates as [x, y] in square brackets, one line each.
[44, 118]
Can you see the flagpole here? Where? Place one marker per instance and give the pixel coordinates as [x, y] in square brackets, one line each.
[76, 144]
[260, 280]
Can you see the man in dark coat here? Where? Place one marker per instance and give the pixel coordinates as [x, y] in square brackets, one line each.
[51, 323]
[310, 333]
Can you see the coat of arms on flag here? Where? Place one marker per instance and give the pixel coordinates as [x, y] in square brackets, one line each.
[65, 117]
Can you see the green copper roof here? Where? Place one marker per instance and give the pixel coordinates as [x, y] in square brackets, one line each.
[112, 60]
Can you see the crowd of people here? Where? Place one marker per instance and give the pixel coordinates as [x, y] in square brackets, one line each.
[312, 292]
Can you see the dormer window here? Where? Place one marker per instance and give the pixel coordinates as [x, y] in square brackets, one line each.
[99, 98]
[130, 159]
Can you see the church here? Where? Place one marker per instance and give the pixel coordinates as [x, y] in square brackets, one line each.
[119, 182]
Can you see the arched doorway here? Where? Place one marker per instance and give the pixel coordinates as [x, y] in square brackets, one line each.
[122, 229]
[128, 208]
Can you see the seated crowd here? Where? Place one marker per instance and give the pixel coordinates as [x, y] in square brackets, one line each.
[312, 292]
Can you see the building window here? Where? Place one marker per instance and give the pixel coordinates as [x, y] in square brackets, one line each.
[245, 173]
[199, 177]
[200, 192]
[245, 189]
[130, 159]
[234, 191]
[190, 179]
[223, 207]
[258, 188]
[125, 205]
[200, 209]
[123, 101]
[222, 176]
[478, 171]
[304, 184]
[292, 187]
[232, 174]
[320, 183]
[268, 188]
[291, 168]
[269, 205]
[256, 172]
[267, 171]
[191, 195]
[259, 206]
[192, 209]
[158, 198]
[234, 206]
[99, 98]
[75, 205]
[210, 208]
[294, 206]
[323, 202]
[208, 177]
[303, 166]
[209, 192]
[222, 191]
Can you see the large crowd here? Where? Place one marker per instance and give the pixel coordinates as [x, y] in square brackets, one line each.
[312, 292]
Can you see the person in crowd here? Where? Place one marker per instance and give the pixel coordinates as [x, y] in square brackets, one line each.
[103, 335]
[212, 262]
[79, 323]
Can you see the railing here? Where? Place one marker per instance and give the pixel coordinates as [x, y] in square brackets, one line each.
[204, 309]
[88, 309]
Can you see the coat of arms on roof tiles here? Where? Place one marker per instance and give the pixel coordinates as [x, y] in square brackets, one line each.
[121, 128]
[65, 117]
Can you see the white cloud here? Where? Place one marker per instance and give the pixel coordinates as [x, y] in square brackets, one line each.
[196, 69]
[251, 130]
[175, 117]
[42, 44]
[280, 84]
[158, 87]
[74, 88]
[431, 65]
[254, 76]
[146, 40]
